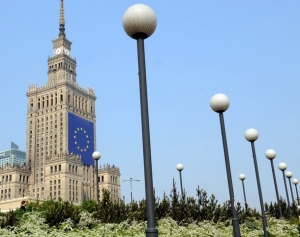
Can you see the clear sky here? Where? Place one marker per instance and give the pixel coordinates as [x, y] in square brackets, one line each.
[248, 50]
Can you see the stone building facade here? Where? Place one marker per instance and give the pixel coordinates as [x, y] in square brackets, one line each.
[61, 137]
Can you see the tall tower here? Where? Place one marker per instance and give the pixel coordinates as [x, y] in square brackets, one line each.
[60, 139]
[61, 129]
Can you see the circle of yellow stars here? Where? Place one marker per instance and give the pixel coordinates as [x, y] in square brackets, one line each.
[76, 132]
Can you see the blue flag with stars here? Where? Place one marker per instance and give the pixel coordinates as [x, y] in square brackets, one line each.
[81, 138]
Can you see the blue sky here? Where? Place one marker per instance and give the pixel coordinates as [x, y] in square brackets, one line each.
[248, 50]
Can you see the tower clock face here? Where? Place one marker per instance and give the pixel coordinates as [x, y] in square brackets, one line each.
[58, 51]
[67, 52]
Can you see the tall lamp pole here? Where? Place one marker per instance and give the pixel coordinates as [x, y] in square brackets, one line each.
[289, 175]
[271, 154]
[139, 22]
[220, 103]
[282, 166]
[180, 167]
[295, 181]
[242, 177]
[96, 156]
[130, 180]
[251, 136]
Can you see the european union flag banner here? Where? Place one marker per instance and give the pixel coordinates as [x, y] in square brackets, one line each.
[81, 138]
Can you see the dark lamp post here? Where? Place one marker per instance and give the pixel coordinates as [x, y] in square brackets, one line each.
[180, 167]
[130, 180]
[242, 177]
[289, 175]
[139, 22]
[251, 136]
[271, 154]
[282, 166]
[220, 103]
[295, 182]
[96, 156]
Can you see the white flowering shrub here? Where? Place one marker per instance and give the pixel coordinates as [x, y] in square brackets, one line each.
[87, 221]
[33, 224]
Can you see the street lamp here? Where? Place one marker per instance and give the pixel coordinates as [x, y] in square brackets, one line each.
[289, 175]
[271, 154]
[139, 22]
[96, 156]
[220, 103]
[251, 135]
[130, 180]
[282, 166]
[295, 181]
[243, 177]
[180, 167]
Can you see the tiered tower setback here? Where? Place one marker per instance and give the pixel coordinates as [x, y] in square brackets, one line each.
[60, 122]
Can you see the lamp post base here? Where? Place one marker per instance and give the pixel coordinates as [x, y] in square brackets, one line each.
[151, 232]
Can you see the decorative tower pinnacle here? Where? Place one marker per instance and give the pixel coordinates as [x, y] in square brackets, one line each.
[61, 20]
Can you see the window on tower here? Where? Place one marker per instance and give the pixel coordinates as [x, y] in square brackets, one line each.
[31, 105]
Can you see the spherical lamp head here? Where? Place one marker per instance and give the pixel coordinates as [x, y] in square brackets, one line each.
[139, 20]
[179, 167]
[282, 166]
[219, 103]
[251, 135]
[288, 174]
[270, 154]
[295, 181]
[242, 176]
[96, 155]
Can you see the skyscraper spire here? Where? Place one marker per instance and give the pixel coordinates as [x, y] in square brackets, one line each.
[62, 19]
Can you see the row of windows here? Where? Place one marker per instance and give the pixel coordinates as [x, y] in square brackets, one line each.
[70, 182]
[65, 65]
[54, 182]
[46, 118]
[113, 179]
[58, 193]
[47, 101]
[8, 178]
[54, 188]
[73, 169]
[55, 168]
[5, 191]
[37, 180]
[37, 190]
[52, 100]
[6, 194]
[37, 194]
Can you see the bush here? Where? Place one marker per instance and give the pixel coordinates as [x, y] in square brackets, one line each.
[57, 212]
